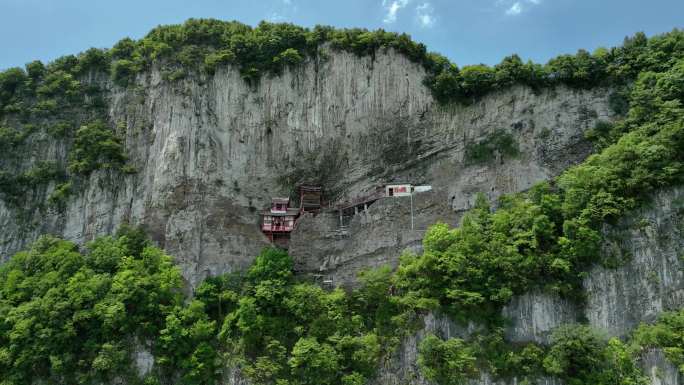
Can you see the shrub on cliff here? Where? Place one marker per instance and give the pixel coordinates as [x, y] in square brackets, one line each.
[96, 146]
[667, 334]
[266, 49]
[579, 356]
[15, 188]
[450, 362]
[123, 72]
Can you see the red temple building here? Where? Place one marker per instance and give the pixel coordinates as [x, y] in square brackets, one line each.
[279, 221]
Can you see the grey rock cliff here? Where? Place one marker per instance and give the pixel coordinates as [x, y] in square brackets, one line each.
[210, 152]
[659, 370]
[651, 241]
[649, 281]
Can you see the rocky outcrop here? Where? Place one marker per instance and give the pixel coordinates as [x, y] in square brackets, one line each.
[648, 281]
[533, 316]
[651, 280]
[372, 238]
[659, 370]
[547, 128]
[143, 359]
[211, 151]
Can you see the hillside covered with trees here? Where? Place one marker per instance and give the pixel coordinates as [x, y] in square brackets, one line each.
[76, 314]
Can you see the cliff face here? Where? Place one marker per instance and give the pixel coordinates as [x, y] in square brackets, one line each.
[210, 153]
[650, 281]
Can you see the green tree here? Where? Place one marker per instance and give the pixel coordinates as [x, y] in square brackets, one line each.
[579, 355]
[123, 72]
[576, 355]
[271, 264]
[188, 344]
[71, 317]
[477, 80]
[314, 363]
[450, 362]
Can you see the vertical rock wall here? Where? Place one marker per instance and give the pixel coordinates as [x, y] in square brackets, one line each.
[651, 241]
[211, 151]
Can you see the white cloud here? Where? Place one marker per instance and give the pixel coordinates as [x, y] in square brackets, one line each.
[276, 17]
[425, 14]
[392, 8]
[515, 9]
[281, 11]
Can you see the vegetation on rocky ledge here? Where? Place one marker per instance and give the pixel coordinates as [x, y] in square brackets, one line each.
[205, 44]
[548, 238]
[71, 316]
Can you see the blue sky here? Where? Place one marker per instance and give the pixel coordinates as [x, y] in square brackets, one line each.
[467, 31]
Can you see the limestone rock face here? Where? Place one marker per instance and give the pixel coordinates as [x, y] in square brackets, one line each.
[144, 360]
[659, 370]
[651, 281]
[210, 152]
[402, 366]
[533, 316]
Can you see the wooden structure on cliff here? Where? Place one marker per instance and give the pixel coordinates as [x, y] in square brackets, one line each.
[280, 219]
[310, 198]
[347, 210]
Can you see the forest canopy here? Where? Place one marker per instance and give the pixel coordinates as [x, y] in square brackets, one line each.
[202, 45]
